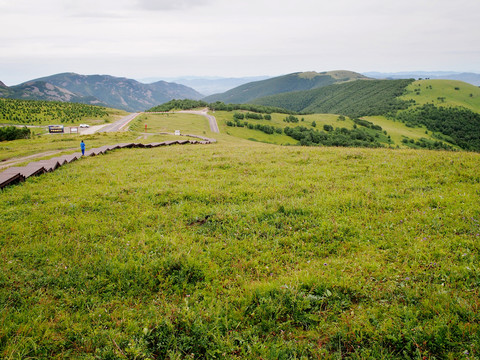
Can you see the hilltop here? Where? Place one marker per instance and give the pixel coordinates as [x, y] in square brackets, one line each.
[471, 78]
[283, 84]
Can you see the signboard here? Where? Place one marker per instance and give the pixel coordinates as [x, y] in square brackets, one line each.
[55, 128]
[177, 132]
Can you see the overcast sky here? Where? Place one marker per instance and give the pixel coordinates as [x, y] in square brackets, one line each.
[167, 38]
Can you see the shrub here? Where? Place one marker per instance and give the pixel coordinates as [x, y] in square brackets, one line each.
[13, 133]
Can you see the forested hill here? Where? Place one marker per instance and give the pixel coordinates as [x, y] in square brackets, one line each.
[354, 99]
[283, 84]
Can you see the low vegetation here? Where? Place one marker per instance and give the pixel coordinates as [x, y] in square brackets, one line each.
[243, 250]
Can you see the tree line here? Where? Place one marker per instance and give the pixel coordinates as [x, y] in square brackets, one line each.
[460, 125]
[9, 133]
[187, 104]
[337, 137]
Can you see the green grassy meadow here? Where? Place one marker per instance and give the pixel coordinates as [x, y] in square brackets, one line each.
[444, 93]
[395, 129]
[243, 250]
[169, 122]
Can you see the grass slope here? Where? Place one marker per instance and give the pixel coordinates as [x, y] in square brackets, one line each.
[444, 93]
[397, 130]
[244, 250]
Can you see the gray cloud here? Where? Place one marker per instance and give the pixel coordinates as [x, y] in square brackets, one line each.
[160, 5]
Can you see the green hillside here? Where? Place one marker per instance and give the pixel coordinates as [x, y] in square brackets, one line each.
[354, 99]
[242, 250]
[444, 93]
[449, 109]
[283, 84]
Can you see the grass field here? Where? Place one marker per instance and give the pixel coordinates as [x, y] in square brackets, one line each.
[444, 93]
[243, 250]
[396, 130]
[169, 122]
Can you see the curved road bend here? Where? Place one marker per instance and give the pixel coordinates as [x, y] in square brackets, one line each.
[211, 119]
[119, 124]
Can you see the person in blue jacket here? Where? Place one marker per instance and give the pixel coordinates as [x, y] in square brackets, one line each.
[82, 147]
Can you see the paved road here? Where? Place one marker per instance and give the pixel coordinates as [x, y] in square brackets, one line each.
[119, 125]
[211, 119]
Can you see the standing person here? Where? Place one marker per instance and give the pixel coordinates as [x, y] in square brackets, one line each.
[82, 147]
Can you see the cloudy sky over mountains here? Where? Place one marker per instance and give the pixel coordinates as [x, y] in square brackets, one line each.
[146, 38]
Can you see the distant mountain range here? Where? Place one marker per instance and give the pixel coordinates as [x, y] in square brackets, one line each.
[283, 84]
[470, 78]
[132, 95]
[209, 85]
[119, 93]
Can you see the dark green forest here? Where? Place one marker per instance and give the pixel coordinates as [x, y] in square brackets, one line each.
[353, 99]
[281, 84]
[337, 137]
[460, 125]
[9, 133]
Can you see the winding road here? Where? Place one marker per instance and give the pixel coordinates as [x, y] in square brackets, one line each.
[204, 112]
[119, 125]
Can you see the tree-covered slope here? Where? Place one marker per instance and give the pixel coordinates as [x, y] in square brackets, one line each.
[283, 84]
[356, 98]
[37, 112]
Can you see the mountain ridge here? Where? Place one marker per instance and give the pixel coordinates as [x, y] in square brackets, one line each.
[468, 77]
[297, 81]
[116, 92]
[209, 85]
